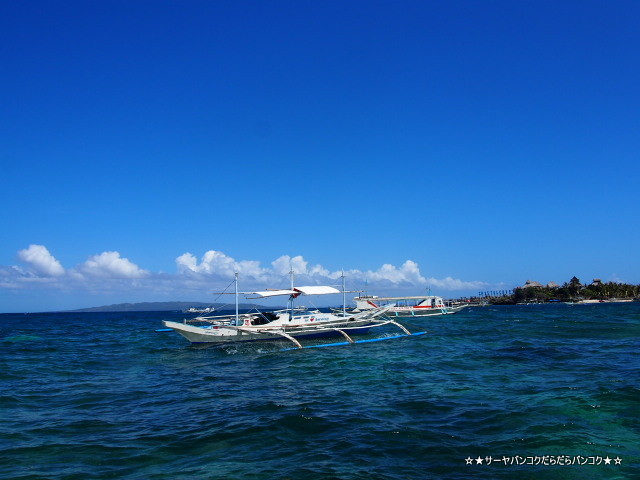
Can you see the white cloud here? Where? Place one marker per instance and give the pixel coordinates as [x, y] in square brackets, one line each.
[187, 263]
[111, 264]
[251, 268]
[218, 264]
[109, 272]
[319, 270]
[284, 264]
[212, 262]
[449, 283]
[39, 258]
[409, 273]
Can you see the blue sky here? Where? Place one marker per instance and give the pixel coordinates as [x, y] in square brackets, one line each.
[151, 148]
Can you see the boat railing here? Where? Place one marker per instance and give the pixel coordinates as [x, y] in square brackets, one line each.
[220, 319]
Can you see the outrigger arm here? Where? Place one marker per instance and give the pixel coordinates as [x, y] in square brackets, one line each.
[343, 334]
[273, 332]
[285, 335]
[400, 326]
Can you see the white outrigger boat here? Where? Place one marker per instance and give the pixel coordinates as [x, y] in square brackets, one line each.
[407, 307]
[291, 324]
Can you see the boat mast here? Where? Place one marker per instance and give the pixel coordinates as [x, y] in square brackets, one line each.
[237, 316]
[291, 297]
[344, 297]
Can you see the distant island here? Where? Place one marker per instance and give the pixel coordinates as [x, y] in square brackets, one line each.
[165, 307]
[571, 291]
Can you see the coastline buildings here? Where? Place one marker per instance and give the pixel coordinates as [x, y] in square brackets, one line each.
[534, 284]
[574, 291]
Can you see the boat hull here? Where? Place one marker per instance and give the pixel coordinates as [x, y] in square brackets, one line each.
[225, 335]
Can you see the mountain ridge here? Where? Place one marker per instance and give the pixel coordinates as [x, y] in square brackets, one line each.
[163, 307]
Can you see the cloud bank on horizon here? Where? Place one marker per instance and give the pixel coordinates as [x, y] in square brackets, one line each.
[109, 270]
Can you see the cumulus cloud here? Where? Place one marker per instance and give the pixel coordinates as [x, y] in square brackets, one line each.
[285, 264]
[111, 264]
[218, 264]
[39, 258]
[408, 273]
[187, 263]
[110, 272]
[449, 283]
[212, 262]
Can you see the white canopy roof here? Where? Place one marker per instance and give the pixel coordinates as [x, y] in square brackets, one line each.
[311, 290]
[317, 290]
[273, 293]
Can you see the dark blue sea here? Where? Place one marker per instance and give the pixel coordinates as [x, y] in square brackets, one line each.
[527, 392]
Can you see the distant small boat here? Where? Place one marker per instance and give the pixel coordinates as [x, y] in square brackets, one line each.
[408, 307]
[608, 300]
[199, 310]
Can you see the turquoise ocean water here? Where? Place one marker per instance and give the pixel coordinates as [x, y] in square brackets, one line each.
[492, 392]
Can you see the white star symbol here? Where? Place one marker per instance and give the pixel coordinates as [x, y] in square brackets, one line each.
[479, 460]
[618, 460]
[469, 460]
[607, 460]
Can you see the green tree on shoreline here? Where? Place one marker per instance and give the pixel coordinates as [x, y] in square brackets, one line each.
[570, 291]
